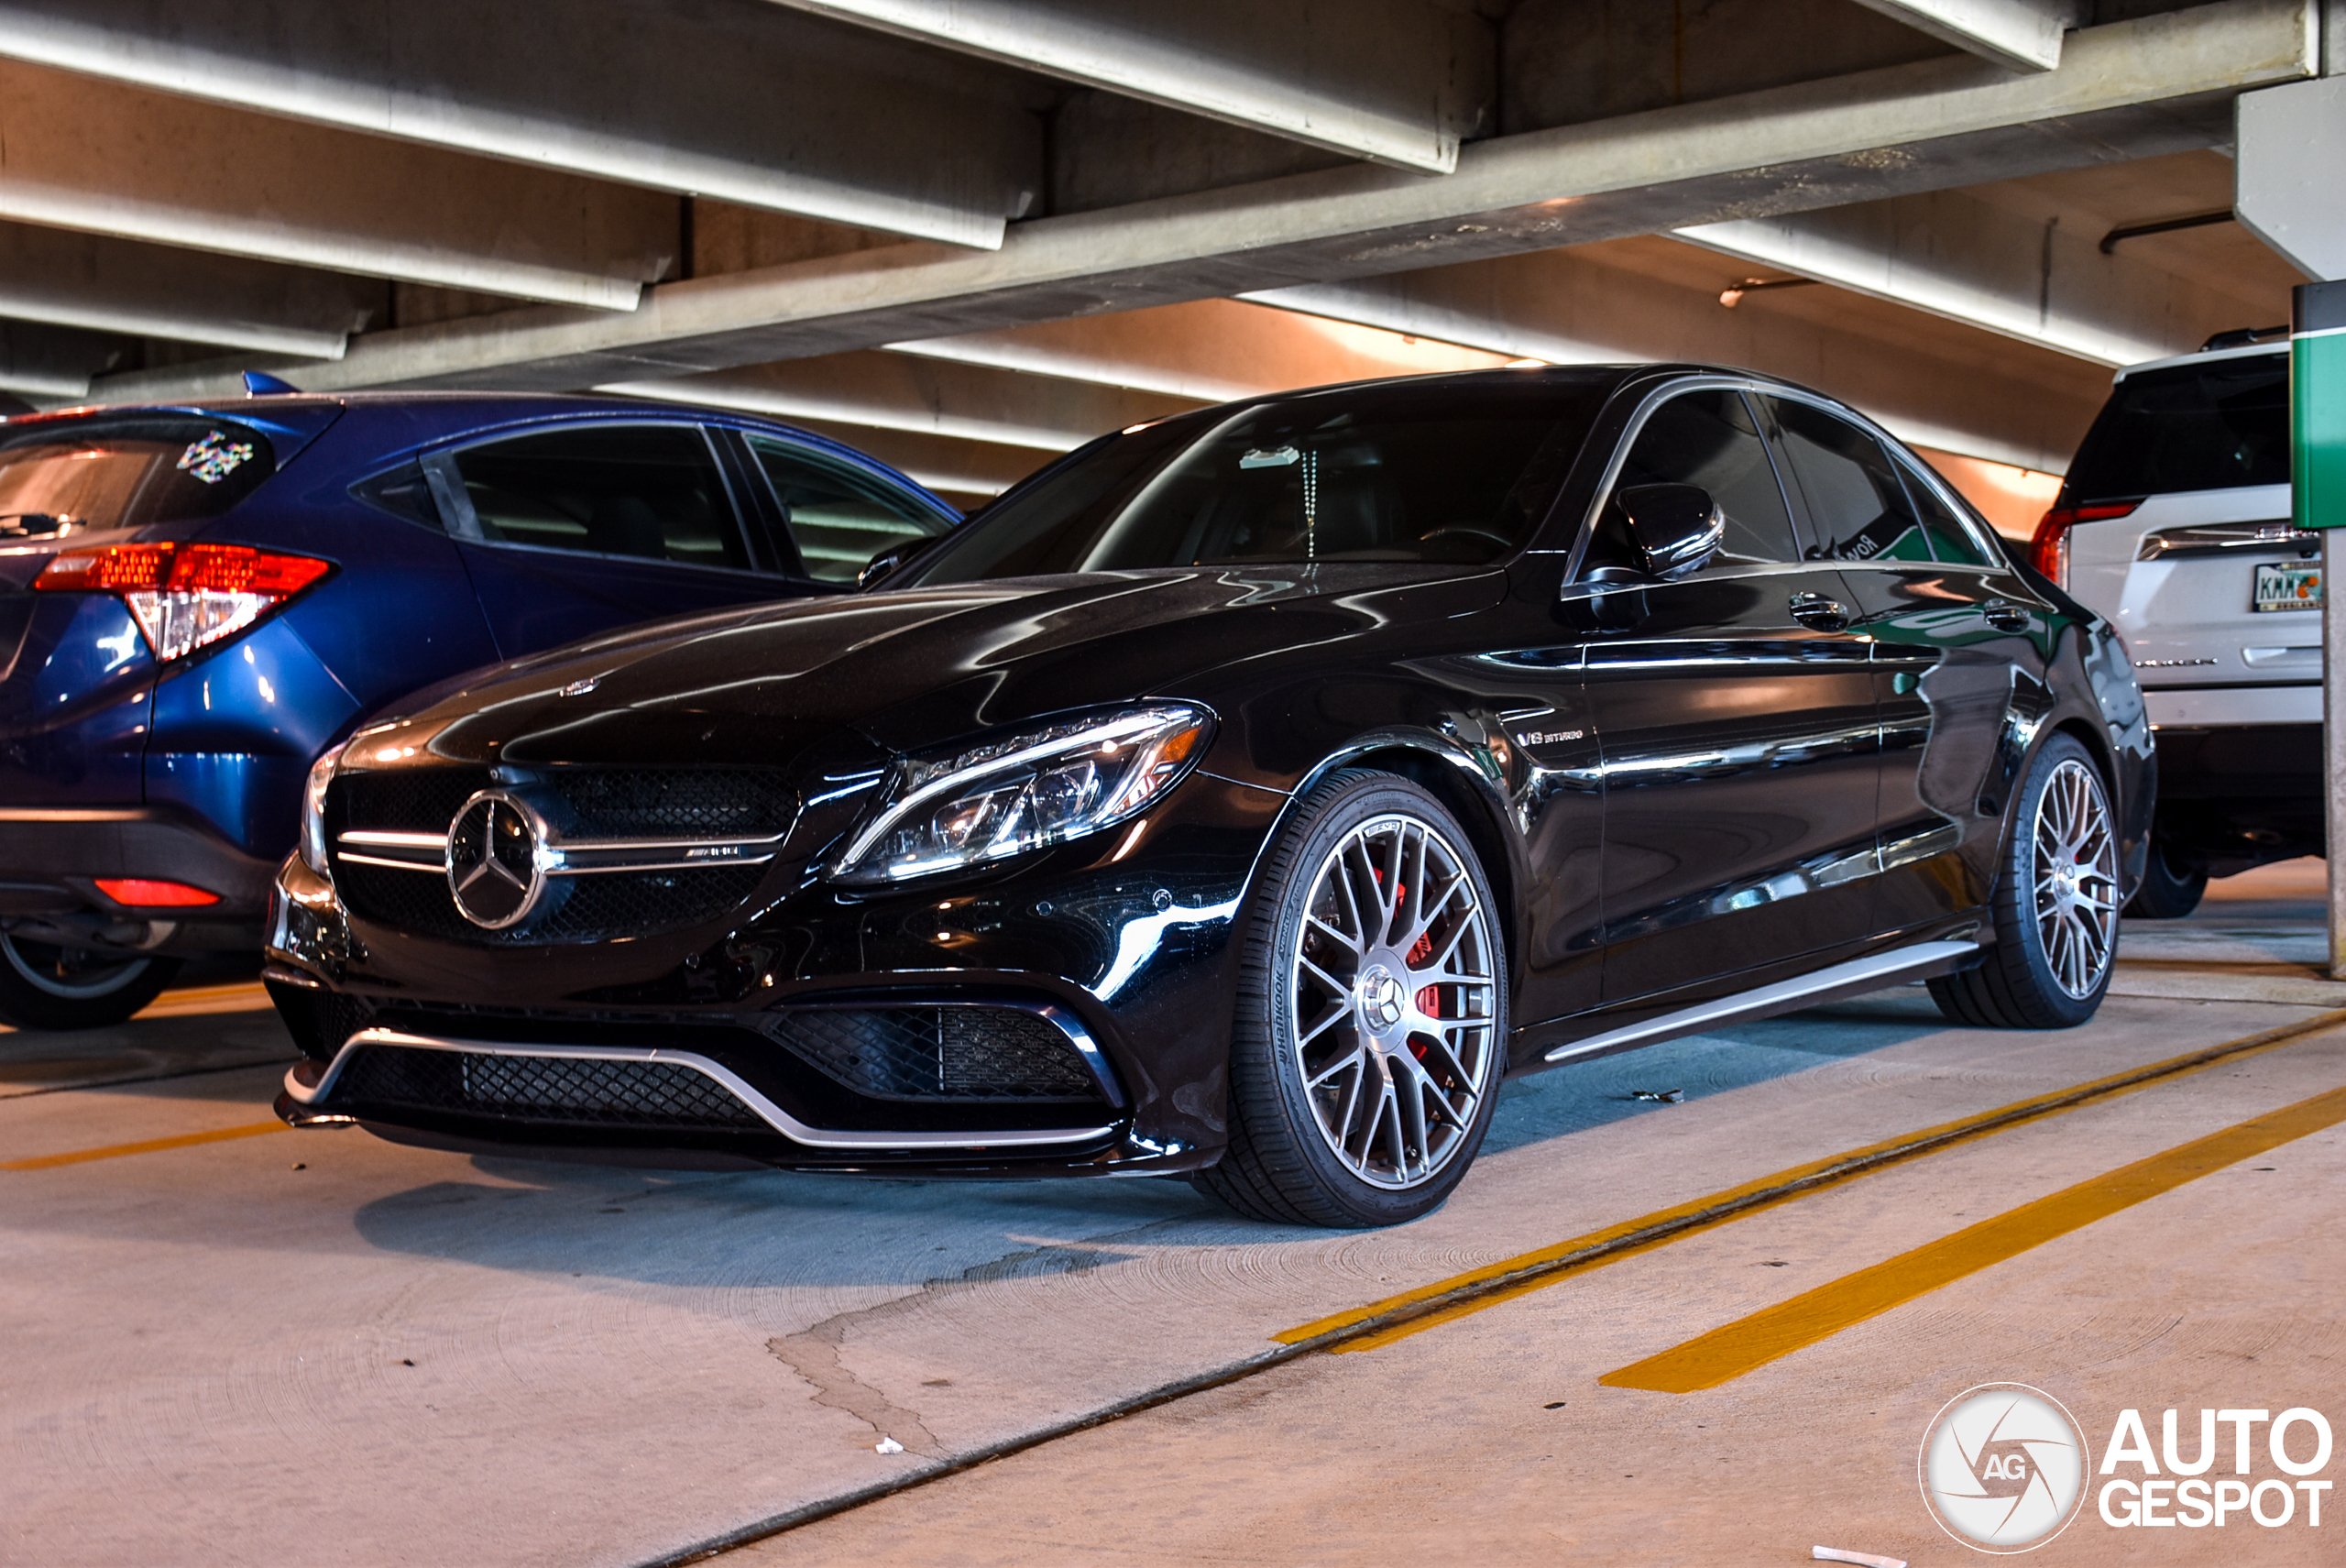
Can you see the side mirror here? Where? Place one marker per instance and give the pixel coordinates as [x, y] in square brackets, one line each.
[1674, 529]
[885, 562]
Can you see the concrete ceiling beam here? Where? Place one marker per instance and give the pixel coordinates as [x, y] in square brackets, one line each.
[108, 285]
[103, 159]
[1209, 351]
[1653, 298]
[2021, 34]
[743, 103]
[891, 391]
[2157, 84]
[1394, 81]
[52, 364]
[1971, 260]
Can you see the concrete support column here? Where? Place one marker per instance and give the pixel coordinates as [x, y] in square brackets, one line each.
[2318, 482]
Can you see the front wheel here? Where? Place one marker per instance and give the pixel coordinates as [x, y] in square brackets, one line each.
[2056, 904]
[1371, 1025]
[45, 986]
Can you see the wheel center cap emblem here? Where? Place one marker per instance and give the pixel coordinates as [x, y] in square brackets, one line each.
[1380, 997]
[493, 870]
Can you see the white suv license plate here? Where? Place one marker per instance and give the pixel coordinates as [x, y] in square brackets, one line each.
[2288, 586]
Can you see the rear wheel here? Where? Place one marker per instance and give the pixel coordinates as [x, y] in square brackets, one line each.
[2056, 904]
[2170, 891]
[46, 986]
[1366, 1050]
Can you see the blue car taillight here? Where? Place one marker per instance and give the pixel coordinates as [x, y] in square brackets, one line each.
[184, 595]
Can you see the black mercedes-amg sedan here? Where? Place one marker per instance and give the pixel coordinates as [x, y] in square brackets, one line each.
[1242, 797]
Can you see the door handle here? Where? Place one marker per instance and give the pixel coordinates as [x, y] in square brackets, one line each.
[2005, 616]
[1818, 613]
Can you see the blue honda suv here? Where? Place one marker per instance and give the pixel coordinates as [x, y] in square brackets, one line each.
[197, 602]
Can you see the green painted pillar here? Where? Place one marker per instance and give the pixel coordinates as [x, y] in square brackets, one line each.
[2318, 475]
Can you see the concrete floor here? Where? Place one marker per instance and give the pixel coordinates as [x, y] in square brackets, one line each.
[312, 1348]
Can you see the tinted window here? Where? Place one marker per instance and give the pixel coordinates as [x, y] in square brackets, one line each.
[2194, 427]
[840, 517]
[1857, 506]
[1437, 472]
[651, 491]
[1950, 539]
[84, 476]
[1706, 438]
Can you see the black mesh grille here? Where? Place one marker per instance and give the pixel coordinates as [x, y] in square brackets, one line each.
[581, 803]
[938, 1053]
[582, 1091]
[416, 800]
[575, 909]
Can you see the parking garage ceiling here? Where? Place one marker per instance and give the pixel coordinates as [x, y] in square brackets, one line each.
[965, 235]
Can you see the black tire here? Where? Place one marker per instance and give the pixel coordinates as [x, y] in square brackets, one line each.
[2055, 904]
[2170, 890]
[43, 986]
[1292, 1157]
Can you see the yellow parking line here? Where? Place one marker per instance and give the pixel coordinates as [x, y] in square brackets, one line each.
[113, 1151]
[250, 996]
[1747, 1344]
[1381, 1323]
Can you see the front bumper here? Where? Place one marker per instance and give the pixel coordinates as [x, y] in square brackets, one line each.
[54, 857]
[1128, 966]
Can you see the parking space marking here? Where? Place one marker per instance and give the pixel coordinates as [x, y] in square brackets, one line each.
[1749, 1344]
[1381, 1323]
[148, 1145]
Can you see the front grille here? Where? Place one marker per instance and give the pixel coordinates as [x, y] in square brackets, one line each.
[965, 1053]
[578, 1090]
[595, 908]
[580, 803]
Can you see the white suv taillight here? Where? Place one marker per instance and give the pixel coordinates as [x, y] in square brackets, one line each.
[2048, 552]
[184, 595]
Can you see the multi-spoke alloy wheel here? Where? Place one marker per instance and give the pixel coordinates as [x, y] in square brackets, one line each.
[1366, 1051]
[2075, 880]
[2056, 902]
[1390, 999]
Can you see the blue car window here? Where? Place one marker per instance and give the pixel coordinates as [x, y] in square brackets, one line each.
[651, 491]
[840, 517]
[65, 477]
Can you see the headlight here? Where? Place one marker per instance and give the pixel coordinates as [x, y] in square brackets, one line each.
[1040, 786]
[313, 810]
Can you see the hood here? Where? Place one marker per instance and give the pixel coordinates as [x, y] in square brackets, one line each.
[904, 671]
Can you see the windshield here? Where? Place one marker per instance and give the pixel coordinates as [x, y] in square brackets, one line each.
[2194, 427]
[1433, 472]
[86, 477]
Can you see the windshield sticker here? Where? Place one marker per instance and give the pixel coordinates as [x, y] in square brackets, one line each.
[1276, 457]
[215, 457]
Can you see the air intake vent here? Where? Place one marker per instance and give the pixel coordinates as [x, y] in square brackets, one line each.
[933, 1054]
[583, 1091]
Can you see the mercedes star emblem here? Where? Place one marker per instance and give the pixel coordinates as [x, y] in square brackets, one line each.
[493, 870]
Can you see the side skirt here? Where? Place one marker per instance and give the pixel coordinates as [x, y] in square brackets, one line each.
[1855, 978]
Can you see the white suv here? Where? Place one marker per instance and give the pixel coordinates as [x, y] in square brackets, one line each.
[2175, 523]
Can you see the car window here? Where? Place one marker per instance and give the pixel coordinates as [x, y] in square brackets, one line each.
[65, 477]
[1950, 539]
[839, 517]
[1707, 438]
[2208, 426]
[651, 491]
[1857, 507]
[1447, 476]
